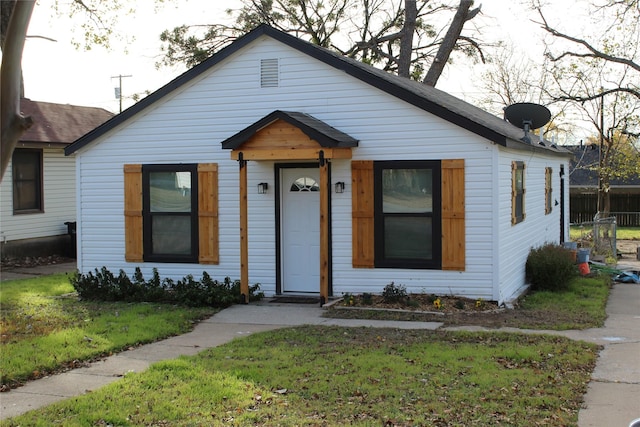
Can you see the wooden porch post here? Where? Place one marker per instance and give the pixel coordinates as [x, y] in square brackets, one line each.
[324, 229]
[244, 223]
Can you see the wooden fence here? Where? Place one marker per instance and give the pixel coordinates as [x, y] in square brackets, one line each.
[625, 207]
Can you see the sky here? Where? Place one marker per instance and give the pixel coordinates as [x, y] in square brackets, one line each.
[58, 72]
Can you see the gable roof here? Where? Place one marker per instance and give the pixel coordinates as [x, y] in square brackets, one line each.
[583, 168]
[325, 135]
[422, 96]
[59, 124]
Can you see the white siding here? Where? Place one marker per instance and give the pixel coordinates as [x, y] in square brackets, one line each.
[537, 228]
[188, 127]
[59, 201]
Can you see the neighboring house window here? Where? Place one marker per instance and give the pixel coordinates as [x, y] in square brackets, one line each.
[408, 214]
[171, 213]
[517, 192]
[27, 181]
[547, 190]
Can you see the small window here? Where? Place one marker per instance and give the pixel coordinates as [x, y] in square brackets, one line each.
[27, 181]
[304, 183]
[548, 191]
[407, 214]
[170, 213]
[517, 192]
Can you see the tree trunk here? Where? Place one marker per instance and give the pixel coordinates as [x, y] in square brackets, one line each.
[12, 123]
[449, 42]
[406, 42]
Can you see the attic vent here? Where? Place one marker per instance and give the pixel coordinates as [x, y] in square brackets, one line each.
[269, 73]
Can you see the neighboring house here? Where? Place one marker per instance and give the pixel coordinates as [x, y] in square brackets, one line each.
[281, 163]
[583, 189]
[38, 191]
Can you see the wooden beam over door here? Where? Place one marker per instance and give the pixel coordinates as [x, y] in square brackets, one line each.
[293, 154]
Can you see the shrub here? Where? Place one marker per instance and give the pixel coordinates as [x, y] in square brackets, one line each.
[367, 298]
[550, 267]
[104, 286]
[394, 293]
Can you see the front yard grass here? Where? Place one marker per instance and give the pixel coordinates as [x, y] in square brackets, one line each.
[315, 375]
[45, 328]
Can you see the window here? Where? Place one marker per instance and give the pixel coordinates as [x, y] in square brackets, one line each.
[517, 192]
[169, 212]
[547, 190]
[166, 203]
[27, 181]
[407, 214]
[304, 183]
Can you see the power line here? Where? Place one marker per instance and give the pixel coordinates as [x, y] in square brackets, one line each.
[119, 88]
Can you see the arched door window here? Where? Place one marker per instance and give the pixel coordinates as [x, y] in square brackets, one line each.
[304, 183]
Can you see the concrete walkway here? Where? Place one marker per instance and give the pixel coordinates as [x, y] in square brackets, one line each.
[613, 397]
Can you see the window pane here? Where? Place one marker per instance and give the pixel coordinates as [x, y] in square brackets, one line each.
[519, 180]
[171, 235]
[26, 166]
[170, 191]
[408, 238]
[407, 191]
[304, 183]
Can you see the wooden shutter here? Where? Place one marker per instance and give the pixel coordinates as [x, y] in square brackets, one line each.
[362, 213]
[453, 215]
[208, 214]
[133, 213]
[548, 173]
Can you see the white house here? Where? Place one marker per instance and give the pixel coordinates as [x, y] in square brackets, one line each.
[37, 193]
[282, 163]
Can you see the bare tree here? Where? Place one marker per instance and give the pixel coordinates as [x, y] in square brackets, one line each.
[513, 78]
[463, 14]
[400, 36]
[599, 73]
[13, 124]
[96, 29]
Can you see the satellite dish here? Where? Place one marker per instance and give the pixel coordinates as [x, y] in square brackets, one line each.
[527, 115]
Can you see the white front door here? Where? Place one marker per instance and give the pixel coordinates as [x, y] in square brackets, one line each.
[300, 229]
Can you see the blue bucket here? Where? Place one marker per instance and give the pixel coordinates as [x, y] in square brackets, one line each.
[583, 255]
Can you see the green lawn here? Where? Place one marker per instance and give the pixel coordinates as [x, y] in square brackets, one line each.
[310, 375]
[317, 375]
[622, 233]
[45, 327]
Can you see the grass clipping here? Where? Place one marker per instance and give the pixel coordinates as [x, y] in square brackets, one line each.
[316, 375]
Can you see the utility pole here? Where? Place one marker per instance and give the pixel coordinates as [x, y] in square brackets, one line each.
[119, 88]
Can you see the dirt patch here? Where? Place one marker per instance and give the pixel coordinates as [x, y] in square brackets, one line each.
[492, 318]
[8, 264]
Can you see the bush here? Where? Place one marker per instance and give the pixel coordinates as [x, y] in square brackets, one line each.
[104, 286]
[550, 267]
[394, 293]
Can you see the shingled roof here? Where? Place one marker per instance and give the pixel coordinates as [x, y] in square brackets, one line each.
[422, 96]
[584, 165]
[59, 124]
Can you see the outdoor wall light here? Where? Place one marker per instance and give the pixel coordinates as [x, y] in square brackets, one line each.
[262, 188]
[339, 187]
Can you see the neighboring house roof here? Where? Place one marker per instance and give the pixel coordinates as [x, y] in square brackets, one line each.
[583, 168]
[59, 124]
[425, 97]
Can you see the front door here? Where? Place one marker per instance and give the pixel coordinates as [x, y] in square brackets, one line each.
[300, 229]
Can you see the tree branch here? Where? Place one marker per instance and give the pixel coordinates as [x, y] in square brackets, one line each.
[594, 53]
